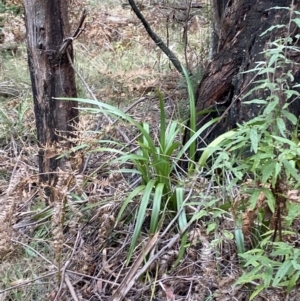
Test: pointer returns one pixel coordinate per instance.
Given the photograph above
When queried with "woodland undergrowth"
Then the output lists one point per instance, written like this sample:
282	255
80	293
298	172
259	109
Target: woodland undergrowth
125	219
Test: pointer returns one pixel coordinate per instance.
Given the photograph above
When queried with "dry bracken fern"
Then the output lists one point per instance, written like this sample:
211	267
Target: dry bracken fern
8	202
59	200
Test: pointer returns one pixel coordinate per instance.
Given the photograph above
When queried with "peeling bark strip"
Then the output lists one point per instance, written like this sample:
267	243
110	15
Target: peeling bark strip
240	47
51	76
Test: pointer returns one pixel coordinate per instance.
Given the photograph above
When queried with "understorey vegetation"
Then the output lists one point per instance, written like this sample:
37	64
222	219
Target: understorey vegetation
135	213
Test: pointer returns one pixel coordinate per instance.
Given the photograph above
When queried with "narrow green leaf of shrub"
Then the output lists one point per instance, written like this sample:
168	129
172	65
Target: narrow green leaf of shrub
277	170
156	207
73	149
270	107
140	216
296	264
251	275
211	227
268	275
281	126
146	142
256	101
200	214
273	59
284	140
264	260
268	70
252	258
292	78
291	117
259	66
293	212
239	146
171	143
267	170
290	93
253	198
228	235
291	169
297	21
183	243
44	214
254	138
274	26
107	149
293	281
270	199
29	252
282	272
208	151
218	212
258	289
282	249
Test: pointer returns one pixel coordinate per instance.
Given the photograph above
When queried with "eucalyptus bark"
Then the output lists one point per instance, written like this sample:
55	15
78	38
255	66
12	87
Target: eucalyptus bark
51	76
241	45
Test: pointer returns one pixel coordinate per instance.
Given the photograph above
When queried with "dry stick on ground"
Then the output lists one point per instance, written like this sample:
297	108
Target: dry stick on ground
124	286
63	270
122	293
71	288
158	41
92	277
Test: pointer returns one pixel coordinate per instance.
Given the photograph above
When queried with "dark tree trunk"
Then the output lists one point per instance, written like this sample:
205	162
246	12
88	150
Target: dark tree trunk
240	45
217	13
51	76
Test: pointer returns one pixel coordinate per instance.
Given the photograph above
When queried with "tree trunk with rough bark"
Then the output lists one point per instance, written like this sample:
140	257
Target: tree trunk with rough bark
51	76
240	46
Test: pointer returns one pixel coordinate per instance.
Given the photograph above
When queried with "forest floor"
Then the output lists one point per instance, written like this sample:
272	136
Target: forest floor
122	66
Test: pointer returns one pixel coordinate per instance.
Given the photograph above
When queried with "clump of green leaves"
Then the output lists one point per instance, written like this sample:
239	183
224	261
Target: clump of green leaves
267	149
278	264
155	163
